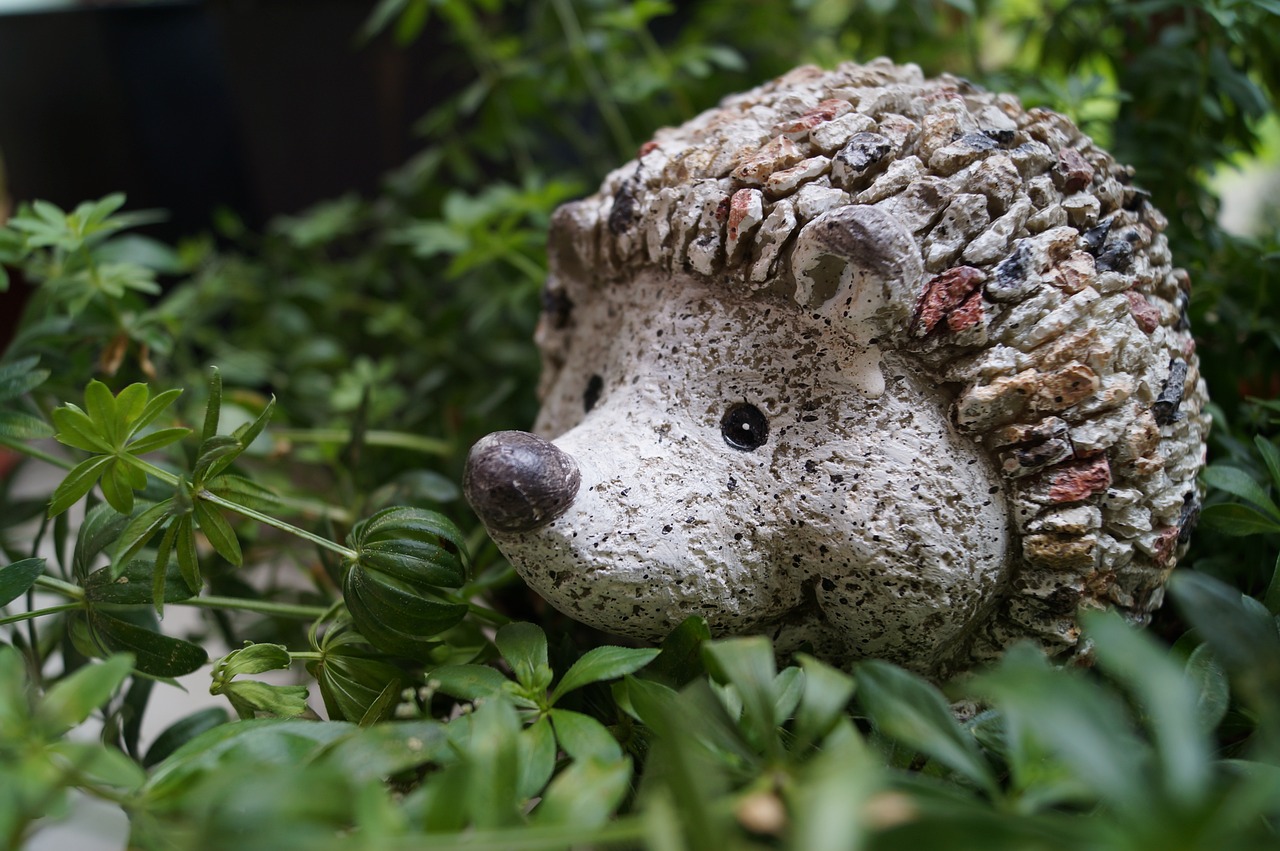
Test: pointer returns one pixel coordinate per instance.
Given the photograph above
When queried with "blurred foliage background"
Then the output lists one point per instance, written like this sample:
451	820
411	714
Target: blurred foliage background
392	330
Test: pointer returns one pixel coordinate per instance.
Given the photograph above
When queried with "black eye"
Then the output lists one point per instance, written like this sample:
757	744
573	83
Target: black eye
595	386
744	427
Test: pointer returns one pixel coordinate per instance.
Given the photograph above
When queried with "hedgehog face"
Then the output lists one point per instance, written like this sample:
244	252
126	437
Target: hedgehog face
750	466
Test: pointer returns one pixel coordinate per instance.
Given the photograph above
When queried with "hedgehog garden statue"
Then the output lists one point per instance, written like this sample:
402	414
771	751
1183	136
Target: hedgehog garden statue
875	364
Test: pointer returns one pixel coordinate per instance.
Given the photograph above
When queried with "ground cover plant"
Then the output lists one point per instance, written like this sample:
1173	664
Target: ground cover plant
230	439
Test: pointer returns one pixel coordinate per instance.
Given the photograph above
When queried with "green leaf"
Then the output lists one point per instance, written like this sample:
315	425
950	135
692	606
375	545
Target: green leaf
98	765
833	796
79	482
537	746
907	709
586	794
524	646
1235	481
219	532
78	430
1209	679
1166	696
681	657
22	426
117	486
140	530
17	578
1056	714
102	526
250	659
71	700
143	413
155	654
182	731
1237	519
134	585
602	663
826	696
244	437
468	682
100	406
583	737
374	754
185	545
249	697
1270	456
157	440
492	759
213	410
747	664
1244	637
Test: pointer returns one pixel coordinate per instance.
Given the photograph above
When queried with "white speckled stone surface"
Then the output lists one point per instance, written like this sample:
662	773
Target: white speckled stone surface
961	324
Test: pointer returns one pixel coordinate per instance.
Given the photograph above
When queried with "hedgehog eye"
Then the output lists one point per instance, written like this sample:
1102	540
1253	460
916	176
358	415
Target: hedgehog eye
590	396
744	427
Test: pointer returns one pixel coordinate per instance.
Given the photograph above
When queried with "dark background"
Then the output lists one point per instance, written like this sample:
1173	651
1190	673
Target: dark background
262	106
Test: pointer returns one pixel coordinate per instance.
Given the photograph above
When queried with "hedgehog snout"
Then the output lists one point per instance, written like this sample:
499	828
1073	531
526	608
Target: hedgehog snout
518	482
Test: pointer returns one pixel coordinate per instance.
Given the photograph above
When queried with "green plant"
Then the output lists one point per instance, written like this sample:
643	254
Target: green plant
301	495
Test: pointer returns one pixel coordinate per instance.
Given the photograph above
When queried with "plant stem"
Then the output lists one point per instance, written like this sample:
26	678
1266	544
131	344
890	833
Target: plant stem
245	511
488	615
51	583
394	439
264	607
32	452
242	510
38	613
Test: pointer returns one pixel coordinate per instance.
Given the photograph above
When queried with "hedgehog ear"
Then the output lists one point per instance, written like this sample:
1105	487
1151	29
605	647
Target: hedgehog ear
860	265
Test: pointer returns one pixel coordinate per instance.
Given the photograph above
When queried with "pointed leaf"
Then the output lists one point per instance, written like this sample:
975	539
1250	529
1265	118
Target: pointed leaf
17	578
78	482
524	646
134	585
22	426
20	376
117	488
1239	483
213	410
219	532
1213	694
827	692
1166	696
1237	519
1271	457
149	412
182	731
141	528
537	747
157	440
130	403
71	700
585	795
185	544
100	405
102	526
602	663
468	682
76	429
583	737
907	709
747	664
155	654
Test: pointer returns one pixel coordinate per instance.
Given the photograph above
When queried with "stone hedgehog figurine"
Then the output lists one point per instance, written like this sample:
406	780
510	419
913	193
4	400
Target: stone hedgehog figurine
876	365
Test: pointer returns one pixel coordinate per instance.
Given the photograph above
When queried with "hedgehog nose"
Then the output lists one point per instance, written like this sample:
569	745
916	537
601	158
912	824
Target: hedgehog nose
517	481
